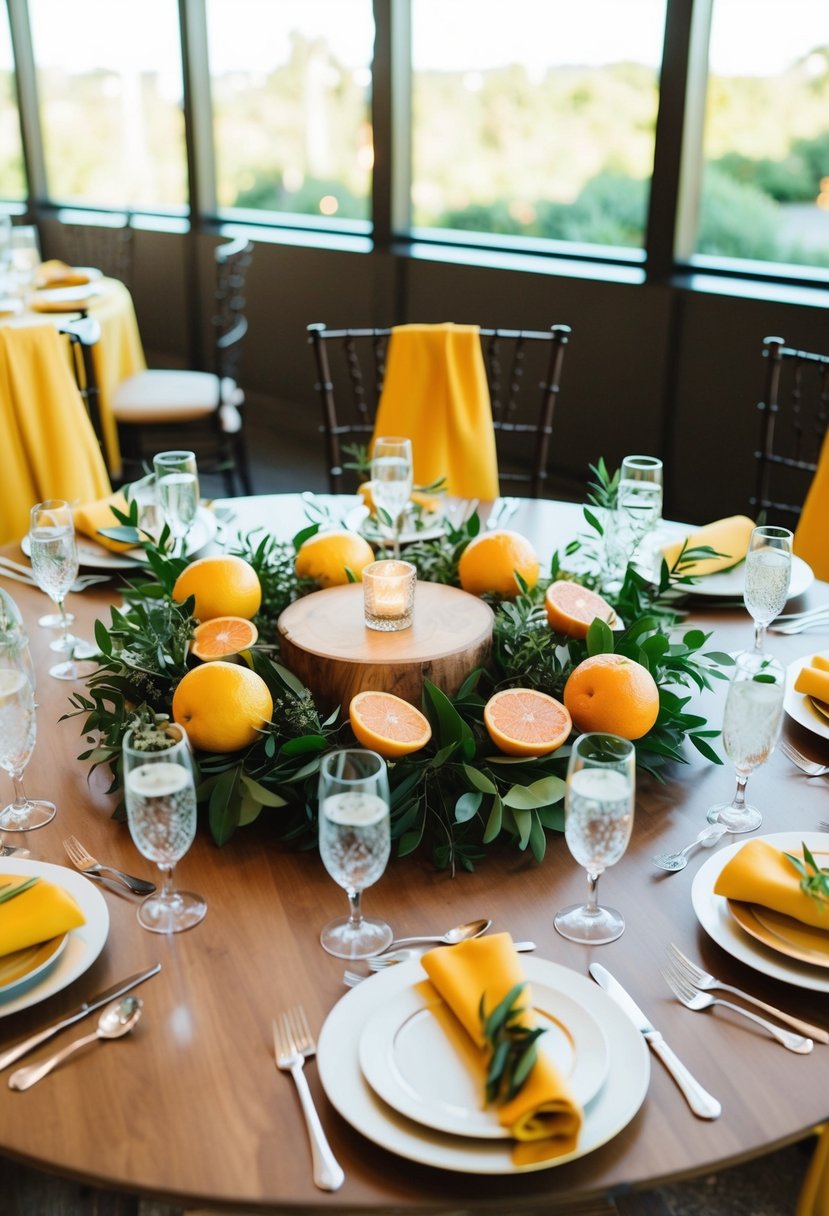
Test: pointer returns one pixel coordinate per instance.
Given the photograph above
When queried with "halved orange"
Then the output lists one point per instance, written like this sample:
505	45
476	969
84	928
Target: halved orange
526	722
222	637
572	609
388	724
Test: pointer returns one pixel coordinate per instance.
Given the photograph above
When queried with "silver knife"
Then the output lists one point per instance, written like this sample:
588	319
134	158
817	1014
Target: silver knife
95	1002
699	1100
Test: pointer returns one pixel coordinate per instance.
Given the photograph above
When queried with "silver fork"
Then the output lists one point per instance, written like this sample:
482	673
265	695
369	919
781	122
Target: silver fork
705	981
818	619
87	864
691	998
810	767
292	1043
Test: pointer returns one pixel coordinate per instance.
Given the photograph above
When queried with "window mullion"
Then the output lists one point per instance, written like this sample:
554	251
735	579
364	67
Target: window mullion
27	101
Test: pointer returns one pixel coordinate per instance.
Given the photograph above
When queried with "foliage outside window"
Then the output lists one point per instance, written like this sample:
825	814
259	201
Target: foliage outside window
12	179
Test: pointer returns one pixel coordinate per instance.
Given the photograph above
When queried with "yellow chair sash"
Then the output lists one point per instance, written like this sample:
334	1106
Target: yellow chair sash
810	538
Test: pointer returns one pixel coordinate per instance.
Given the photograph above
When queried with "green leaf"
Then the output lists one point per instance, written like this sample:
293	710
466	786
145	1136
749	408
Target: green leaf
479	779
264	796
225	807
599	638
540	793
466	807
494	823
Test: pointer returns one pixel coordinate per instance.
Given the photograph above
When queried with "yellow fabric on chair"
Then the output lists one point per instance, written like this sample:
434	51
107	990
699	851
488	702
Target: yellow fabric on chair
436	394
810	538
36	915
544	1116
92	516
48	448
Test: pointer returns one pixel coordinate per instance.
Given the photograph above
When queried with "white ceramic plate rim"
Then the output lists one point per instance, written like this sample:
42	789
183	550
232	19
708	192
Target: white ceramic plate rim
356	520
797	706
378	1048
35	971
712	913
93	556
351	1095
85	943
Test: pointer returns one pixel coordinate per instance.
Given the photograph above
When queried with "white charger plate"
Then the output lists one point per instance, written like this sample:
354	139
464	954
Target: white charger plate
798	706
83	946
361	520
93	556
408	1059
352	1096
713	914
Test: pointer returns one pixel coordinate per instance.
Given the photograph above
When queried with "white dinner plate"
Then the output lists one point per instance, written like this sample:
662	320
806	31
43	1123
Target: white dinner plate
361	520
352	1096
731	582
409	1059
800	707
93	556
84	943
713	914
65	295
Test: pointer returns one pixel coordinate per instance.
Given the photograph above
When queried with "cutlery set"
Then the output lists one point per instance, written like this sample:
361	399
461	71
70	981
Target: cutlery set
293	1044
800	622
87	864
19	573
810	767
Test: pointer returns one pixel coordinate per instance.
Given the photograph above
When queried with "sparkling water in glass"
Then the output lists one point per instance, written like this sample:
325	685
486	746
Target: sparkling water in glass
768	573
177	488
54	557
17	742
391	480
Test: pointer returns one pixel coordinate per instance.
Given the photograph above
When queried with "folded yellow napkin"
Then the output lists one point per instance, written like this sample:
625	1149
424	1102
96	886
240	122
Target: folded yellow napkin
75	304
729	537
37	914
98	514
810	534
436	394
760	874
54	273
426	502
813	680
544	1111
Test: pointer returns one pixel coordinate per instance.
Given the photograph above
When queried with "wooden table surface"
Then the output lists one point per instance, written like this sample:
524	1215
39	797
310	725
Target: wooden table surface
190	1108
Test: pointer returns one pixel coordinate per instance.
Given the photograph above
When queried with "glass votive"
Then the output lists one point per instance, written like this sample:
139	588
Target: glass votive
388	595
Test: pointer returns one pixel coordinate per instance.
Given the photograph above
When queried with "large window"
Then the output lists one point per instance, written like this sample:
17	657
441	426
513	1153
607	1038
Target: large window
535	118
290	84
765	182
110	89
12	179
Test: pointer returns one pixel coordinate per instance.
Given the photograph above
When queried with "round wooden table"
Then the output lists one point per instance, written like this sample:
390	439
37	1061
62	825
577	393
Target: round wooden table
190	1108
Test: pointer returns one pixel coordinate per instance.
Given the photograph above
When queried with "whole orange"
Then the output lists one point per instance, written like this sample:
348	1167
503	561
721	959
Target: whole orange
491	560
223	586
327	557
222	706
609	692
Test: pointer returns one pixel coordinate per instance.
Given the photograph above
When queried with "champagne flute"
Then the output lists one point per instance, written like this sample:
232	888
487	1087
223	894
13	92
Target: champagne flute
177	487
354	842
598	819
391	480
768	573
160	794
751	727
54	557
17	742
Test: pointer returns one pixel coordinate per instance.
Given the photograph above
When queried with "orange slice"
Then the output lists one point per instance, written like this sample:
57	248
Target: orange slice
222	637
388	724
526	722
572	609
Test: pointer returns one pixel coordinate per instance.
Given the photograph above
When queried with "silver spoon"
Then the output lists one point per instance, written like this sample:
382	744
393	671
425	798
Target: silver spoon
380	961
678	861
460	933
117	1019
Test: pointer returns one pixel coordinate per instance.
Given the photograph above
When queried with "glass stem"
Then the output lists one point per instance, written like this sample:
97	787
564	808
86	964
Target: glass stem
591	908
740	794
166	893
21	802
64	620
396	547
355	914
759	637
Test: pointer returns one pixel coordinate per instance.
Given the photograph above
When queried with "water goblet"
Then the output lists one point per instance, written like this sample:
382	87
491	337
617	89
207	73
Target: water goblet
391	480
54	557
354	842
17	742
177	487
751	727
768	573
598	819
160	794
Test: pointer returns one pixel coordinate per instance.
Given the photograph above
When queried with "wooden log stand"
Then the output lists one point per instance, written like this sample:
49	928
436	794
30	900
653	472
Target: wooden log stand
327	645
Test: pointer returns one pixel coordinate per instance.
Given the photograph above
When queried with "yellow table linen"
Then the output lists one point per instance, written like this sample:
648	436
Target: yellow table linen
760	874
48	448
94	515
810	538
435	393
729	537
544	1115
41	912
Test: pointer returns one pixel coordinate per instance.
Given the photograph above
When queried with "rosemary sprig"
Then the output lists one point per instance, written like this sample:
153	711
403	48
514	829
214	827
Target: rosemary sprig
813	880
7	894
513	1050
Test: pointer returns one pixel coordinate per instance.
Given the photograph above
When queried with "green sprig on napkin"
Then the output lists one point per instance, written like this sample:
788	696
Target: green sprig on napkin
9	891
512	1044
813	880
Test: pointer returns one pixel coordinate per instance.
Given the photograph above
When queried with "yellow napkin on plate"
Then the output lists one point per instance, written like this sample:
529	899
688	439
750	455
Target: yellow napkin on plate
813	680
760	874
98	514
544	1113
435	393
727	536
54	273
810	534
36	915
429	503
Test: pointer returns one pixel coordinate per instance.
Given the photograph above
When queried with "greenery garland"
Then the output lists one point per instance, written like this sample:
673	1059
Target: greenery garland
458	795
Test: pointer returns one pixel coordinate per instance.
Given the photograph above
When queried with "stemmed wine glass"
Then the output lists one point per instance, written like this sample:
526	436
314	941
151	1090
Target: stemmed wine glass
751	727
17	742
355	842
54	557
160	794
391	480
768	575
598	819
177	487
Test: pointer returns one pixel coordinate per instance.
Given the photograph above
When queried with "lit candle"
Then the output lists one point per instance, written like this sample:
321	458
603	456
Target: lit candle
388	595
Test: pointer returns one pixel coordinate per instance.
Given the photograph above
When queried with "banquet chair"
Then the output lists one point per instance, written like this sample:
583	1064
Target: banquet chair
105	245
196	410
83	333
523	371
